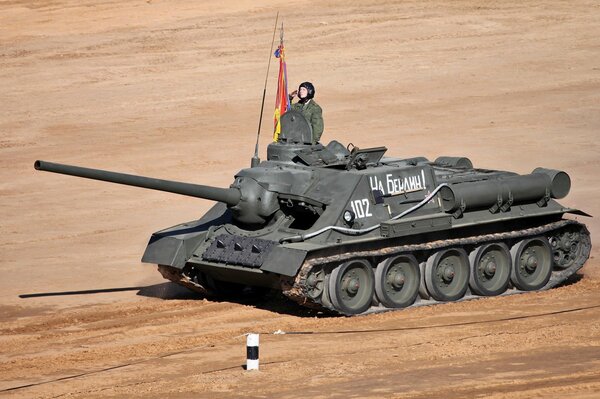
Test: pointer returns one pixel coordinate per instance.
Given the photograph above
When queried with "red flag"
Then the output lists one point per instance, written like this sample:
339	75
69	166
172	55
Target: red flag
282	102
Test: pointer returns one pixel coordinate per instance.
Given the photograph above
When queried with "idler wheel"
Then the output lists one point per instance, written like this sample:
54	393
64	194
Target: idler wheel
397	281
351	286
532	263
490	269
315	283
447	274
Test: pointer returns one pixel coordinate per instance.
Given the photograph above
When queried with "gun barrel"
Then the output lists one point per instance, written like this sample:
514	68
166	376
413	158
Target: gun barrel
230	196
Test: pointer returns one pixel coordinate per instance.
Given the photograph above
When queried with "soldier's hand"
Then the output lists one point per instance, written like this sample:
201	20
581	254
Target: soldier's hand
293	94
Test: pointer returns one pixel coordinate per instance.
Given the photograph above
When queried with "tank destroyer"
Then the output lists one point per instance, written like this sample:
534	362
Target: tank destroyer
353	231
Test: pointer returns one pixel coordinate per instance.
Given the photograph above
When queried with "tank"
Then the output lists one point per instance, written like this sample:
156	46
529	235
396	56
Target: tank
351	231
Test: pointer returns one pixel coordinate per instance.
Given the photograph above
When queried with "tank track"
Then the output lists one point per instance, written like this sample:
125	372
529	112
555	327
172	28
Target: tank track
179	277
297	289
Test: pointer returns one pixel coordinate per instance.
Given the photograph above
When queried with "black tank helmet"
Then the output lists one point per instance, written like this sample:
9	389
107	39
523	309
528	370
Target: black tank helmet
309	88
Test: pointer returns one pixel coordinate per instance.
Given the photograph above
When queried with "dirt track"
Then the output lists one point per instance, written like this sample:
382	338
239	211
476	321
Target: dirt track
173	89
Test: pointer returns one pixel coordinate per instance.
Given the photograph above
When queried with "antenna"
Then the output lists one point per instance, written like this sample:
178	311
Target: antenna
255	159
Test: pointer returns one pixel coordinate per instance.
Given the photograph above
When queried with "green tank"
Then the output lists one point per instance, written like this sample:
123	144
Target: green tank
353	231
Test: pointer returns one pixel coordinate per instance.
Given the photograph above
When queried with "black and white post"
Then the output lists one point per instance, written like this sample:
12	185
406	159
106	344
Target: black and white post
252	352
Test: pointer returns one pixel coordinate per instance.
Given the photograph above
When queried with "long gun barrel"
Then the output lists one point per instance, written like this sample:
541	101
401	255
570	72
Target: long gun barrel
230	196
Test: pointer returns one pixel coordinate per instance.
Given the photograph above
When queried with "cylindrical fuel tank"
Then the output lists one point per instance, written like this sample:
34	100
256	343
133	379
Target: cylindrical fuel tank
561	182
521	189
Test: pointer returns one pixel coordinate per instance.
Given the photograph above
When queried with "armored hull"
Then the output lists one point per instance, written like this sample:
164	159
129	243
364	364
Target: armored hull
353	231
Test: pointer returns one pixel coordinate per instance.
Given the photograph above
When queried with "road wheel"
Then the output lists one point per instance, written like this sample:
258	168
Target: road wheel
447	274
490	269
351	286
532	263
397	281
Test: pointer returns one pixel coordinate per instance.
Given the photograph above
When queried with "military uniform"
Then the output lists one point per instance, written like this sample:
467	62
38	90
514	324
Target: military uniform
314	115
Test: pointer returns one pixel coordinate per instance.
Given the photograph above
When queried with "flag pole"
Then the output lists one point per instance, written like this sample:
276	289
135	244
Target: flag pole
255	159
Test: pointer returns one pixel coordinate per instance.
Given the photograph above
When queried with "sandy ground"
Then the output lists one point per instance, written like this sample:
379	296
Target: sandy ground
173	89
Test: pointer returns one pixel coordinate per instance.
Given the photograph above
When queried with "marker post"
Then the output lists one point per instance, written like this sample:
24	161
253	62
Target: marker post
252	352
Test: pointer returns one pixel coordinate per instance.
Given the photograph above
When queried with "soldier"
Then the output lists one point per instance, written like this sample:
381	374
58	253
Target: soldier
309	108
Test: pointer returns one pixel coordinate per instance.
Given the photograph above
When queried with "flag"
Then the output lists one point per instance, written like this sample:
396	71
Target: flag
282	102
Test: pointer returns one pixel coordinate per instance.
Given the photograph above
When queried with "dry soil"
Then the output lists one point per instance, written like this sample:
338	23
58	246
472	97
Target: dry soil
173	90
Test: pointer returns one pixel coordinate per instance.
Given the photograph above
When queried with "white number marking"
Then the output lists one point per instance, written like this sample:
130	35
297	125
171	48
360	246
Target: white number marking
361	208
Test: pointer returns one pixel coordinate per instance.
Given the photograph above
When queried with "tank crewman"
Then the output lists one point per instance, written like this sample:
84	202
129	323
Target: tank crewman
309	108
